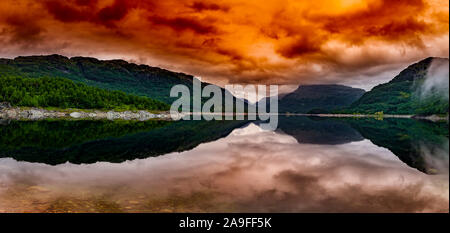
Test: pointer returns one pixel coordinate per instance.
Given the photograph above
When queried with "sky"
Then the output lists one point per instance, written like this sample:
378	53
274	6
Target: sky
288	42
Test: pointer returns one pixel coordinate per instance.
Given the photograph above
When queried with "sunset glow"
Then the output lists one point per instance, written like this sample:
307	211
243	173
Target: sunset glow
356	42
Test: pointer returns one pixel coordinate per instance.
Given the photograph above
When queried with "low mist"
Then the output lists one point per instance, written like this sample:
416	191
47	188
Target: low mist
436	80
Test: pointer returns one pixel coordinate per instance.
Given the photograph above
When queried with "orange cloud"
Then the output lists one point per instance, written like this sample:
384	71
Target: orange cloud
280	41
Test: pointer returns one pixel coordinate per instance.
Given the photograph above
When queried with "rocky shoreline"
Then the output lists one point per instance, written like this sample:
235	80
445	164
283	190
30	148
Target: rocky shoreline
22	113
15	113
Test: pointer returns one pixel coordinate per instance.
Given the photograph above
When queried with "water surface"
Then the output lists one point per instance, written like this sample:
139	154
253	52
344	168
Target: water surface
306	165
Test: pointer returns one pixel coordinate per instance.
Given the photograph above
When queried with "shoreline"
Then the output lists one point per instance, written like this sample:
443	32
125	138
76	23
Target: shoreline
32	113
430	118
28	113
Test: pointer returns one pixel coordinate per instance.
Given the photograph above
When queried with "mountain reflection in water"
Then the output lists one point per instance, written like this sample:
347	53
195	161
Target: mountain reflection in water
307	165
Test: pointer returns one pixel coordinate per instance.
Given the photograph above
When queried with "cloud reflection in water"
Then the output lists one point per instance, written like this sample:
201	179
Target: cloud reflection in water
251	170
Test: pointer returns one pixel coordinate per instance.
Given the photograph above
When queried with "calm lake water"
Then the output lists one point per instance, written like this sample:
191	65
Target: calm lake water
306	165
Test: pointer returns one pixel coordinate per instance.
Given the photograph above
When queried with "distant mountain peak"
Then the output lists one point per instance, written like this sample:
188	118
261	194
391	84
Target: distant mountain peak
323	97
326	87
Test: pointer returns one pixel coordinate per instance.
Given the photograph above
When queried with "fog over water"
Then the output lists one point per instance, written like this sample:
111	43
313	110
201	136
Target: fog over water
250	170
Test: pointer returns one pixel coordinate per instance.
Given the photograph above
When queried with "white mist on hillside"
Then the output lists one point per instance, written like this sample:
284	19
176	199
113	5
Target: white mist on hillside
436	80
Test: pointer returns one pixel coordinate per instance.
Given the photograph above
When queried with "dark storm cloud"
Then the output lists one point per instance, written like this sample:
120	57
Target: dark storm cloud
181	24
202	6
292	42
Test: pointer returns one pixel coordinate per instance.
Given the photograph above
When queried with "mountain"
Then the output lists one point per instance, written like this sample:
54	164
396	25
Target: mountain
322	98
119	75
113	74
420	89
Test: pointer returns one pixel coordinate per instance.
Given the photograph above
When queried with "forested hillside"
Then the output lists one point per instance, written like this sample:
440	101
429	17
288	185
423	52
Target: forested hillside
64	93
402	94
142	80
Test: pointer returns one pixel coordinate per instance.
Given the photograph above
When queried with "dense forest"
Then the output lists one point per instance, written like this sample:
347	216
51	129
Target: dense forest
64	93
115	75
